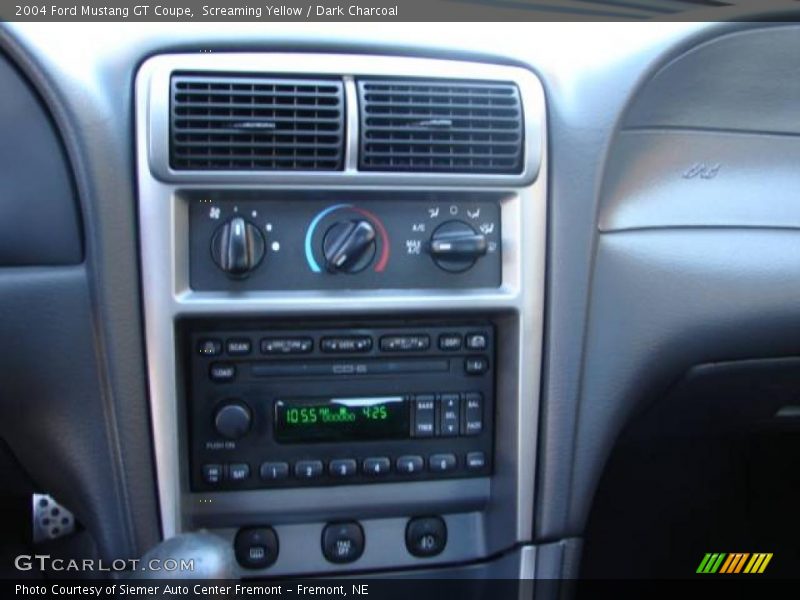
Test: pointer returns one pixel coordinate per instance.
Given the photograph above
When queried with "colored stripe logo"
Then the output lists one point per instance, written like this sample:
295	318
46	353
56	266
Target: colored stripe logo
734	563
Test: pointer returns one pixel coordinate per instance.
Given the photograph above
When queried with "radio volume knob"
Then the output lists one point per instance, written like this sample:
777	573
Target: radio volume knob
237	247
349	246
232	420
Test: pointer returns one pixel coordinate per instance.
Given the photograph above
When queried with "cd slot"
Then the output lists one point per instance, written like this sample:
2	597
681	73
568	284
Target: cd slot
323	368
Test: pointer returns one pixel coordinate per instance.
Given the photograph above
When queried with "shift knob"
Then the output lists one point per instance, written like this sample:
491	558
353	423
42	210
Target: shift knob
210	557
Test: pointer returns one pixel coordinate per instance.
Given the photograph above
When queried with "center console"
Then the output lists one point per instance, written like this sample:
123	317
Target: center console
343	275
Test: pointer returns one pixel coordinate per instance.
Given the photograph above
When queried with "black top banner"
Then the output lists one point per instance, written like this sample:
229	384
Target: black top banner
395	10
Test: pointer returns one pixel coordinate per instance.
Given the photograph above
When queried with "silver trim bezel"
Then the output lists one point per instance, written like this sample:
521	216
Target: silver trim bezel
503	505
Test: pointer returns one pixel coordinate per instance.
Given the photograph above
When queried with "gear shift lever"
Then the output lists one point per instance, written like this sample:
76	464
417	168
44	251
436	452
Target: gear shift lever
211	557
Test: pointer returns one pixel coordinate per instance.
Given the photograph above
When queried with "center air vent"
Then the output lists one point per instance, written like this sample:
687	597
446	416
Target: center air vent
256	123
440	126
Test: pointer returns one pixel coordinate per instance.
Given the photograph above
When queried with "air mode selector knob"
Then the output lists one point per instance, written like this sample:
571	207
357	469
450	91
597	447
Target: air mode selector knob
232	420
237	247
455	246
349	246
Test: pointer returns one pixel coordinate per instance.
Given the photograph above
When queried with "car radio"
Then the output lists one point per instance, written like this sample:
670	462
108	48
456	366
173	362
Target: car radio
274	407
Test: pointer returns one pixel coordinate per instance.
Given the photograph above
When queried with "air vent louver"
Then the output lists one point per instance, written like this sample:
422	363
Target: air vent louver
256	123
440	126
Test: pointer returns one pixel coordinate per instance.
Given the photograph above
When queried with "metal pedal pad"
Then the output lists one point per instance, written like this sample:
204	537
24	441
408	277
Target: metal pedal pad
50	519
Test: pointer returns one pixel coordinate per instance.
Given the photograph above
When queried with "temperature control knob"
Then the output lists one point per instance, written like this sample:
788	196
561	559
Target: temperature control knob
232	420
455	246
237	247
349	246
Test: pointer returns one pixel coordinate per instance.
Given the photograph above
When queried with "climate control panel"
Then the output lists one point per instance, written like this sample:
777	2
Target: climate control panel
358	241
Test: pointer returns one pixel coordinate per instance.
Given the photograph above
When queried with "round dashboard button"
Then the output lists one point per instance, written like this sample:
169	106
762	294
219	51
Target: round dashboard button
256	547
342	542
232	420
426	536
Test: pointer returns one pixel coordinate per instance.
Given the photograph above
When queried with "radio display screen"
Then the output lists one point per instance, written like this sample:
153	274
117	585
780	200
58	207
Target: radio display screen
341	419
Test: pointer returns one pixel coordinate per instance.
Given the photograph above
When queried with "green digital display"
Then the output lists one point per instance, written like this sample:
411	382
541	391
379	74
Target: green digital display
341	419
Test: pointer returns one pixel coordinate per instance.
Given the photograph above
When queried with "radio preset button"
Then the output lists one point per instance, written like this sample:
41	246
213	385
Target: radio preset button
274	471
442	463
473	414
475	461
450	342
308	469
342	467
343	345
449	414
294	345
212	474
238	347
410	464
222	372
405	343
238	472
209	347
376	466
477	341
476	365
424	415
